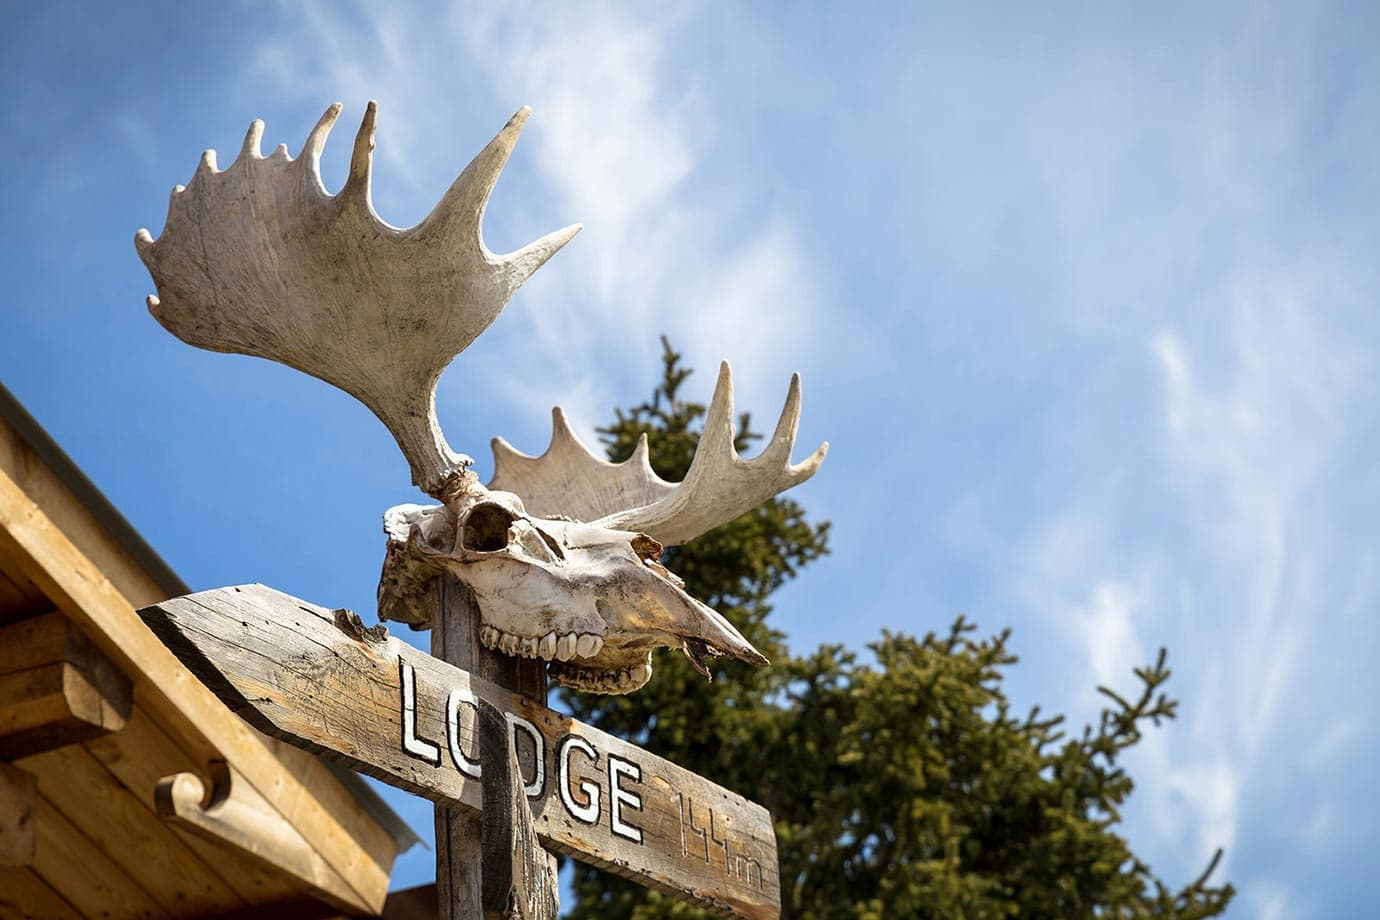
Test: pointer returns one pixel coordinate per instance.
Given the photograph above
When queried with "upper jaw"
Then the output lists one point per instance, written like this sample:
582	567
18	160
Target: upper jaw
618	604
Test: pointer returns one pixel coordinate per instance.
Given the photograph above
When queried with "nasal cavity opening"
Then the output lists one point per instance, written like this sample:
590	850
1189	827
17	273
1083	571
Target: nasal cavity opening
486	528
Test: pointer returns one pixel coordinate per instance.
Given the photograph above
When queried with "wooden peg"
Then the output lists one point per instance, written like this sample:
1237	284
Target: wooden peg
519	881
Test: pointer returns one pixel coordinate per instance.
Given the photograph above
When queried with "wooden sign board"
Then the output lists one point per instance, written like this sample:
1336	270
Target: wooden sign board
320	680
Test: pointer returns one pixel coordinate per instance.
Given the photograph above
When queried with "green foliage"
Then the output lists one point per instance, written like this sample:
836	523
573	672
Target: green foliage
900	787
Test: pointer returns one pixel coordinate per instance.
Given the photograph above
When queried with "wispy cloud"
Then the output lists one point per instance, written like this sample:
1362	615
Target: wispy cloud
616	144
1259	331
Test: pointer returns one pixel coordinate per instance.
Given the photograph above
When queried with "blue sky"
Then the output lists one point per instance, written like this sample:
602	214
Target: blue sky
1084	296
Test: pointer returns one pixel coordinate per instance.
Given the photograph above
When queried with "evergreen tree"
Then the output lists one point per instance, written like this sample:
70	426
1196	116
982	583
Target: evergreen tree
903	787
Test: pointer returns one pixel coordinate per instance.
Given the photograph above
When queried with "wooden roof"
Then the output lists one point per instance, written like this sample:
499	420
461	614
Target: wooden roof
158	802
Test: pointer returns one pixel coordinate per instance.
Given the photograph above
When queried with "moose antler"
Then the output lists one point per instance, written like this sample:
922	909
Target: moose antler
260	259
570	481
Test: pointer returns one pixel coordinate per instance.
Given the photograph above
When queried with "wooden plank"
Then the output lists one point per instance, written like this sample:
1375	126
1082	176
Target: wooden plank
25	896
31	543
139	756
519	877
377	842
125	561
312	676
144	848
76	868
18	808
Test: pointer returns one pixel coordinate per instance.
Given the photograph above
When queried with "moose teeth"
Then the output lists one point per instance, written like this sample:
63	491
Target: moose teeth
632	678
624	680
550	647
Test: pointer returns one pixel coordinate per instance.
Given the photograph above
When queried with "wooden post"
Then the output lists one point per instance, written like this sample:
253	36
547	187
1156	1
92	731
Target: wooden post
455	639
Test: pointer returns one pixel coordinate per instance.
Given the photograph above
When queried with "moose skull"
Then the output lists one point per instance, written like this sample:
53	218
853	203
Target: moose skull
560	551
591	601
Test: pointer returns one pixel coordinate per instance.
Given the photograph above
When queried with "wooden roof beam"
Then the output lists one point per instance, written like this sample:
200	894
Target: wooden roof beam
56	688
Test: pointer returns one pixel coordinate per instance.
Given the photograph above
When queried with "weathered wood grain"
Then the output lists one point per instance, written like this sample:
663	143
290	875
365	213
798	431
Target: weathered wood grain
18	808
519	877
314	677
56	688
70	863
25	896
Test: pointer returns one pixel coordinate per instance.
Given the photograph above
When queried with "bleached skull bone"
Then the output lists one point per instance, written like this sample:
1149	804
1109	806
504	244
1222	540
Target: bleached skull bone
260	259
591	601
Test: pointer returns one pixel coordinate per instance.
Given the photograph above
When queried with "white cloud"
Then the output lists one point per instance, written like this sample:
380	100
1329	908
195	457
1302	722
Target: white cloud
616	141
1109	633
1249	440
1232	523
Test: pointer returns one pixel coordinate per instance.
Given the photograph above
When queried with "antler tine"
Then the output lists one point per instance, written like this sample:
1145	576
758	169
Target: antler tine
520	265
357	185
783	440
252	138
459	215
716	439
316	140
458	218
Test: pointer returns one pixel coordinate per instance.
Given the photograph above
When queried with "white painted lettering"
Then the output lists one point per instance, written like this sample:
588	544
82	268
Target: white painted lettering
413	745
538	784
618	797
589	811
457	696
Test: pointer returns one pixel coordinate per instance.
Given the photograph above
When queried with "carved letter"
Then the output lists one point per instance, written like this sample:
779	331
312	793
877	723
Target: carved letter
588	812
618	768
417	747
457	696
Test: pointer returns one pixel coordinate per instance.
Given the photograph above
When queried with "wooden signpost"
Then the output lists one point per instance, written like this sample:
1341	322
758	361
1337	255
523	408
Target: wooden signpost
321	680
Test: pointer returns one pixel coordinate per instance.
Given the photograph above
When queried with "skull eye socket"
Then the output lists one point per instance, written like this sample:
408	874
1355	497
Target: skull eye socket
486	528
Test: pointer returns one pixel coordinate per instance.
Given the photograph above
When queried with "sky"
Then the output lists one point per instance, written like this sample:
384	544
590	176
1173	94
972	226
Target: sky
1084	297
